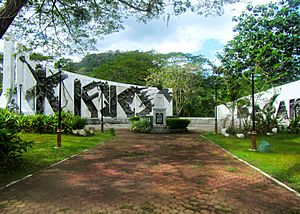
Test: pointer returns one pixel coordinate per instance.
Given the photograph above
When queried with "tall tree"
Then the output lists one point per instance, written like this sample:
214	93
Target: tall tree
77	24
267	43
186	83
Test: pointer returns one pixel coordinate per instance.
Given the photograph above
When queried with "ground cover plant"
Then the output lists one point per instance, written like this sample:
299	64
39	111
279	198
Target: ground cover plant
43	153
282	162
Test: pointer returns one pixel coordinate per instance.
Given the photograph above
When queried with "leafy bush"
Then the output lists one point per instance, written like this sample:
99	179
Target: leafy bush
8	119
141	126
70	122
11	146
177	123
79	123
265	122
265	118
40	123
294	126
231	130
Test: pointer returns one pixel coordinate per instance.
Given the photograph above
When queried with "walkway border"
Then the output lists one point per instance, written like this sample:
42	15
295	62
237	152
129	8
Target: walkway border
257	169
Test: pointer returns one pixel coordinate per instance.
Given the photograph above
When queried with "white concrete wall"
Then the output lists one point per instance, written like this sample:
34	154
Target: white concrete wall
289	94
16	72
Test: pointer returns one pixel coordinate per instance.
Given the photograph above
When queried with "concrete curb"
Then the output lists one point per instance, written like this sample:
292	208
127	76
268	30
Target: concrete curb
48	167
255	168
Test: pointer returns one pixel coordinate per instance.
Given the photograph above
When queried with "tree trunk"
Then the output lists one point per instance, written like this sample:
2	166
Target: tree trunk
8	14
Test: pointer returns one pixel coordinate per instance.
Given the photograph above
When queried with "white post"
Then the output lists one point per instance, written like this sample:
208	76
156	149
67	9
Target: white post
19	80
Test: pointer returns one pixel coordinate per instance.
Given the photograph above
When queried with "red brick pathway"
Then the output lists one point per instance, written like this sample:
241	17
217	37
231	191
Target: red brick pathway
139	173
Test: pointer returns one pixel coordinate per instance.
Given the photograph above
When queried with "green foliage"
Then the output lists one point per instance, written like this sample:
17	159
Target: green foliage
40	123
127	67
267	43
231	130
67	64
177	123
70	122
185	82
92	61
134	118
141	126
8	119
265	118
11	146
39	57
294	126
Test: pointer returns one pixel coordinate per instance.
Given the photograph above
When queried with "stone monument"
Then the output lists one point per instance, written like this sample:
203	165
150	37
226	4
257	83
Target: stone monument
159	114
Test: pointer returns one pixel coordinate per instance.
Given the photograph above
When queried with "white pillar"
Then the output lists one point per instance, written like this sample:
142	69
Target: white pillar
8	71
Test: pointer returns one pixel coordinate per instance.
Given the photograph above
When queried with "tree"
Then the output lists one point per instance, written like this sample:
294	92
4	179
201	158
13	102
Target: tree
127	67
267	43
185	81
76	25
39	57
67	64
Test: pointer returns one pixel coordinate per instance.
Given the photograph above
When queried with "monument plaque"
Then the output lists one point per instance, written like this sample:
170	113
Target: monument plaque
159	115
159	118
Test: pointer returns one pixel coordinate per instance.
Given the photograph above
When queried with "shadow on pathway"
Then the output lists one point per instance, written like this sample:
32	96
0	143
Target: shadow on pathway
144	173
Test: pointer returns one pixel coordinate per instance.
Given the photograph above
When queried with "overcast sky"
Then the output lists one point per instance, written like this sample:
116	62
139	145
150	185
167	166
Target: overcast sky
188	33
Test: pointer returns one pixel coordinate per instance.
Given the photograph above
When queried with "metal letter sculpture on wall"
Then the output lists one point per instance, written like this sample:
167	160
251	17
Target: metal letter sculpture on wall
44	87
119	100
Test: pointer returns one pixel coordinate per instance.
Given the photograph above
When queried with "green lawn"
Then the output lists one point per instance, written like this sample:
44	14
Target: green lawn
43	153
282	163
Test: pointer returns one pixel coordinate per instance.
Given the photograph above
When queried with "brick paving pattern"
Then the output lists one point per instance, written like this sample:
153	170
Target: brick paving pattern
141	173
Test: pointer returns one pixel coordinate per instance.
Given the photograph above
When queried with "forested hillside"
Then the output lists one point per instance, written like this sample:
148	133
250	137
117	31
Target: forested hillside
128	67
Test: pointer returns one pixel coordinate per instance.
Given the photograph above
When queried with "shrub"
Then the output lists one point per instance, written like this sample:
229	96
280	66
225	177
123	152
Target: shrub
40	123
79	123
50	124
11	146
231	130
37	123
265	118
8	119
141	126
134	118
70	122
177	123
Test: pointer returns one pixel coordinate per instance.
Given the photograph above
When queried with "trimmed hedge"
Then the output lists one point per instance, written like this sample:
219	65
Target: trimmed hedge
177	123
